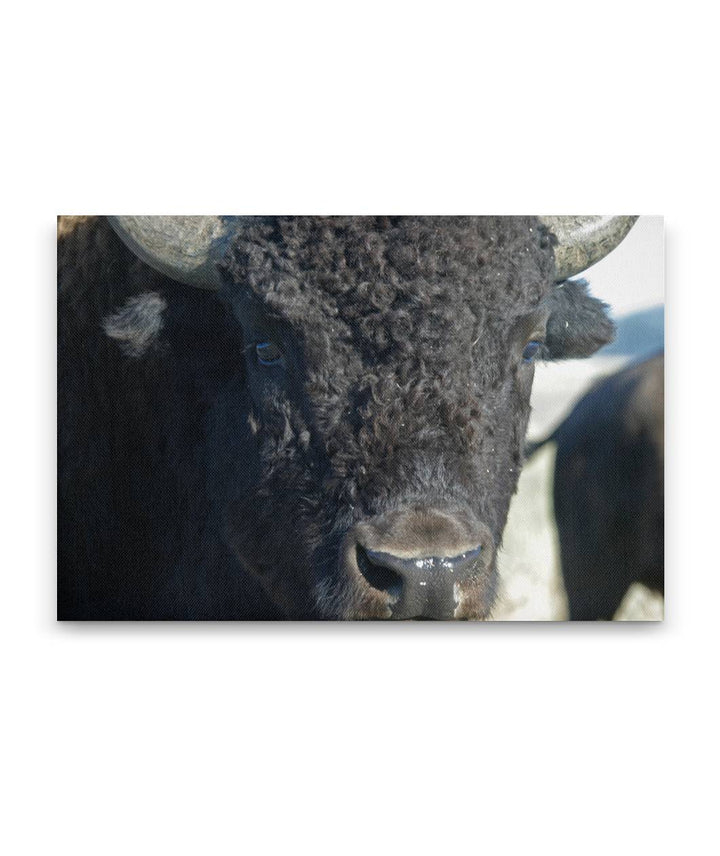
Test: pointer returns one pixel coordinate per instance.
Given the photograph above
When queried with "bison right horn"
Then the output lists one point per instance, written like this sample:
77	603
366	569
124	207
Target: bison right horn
584	240
186	249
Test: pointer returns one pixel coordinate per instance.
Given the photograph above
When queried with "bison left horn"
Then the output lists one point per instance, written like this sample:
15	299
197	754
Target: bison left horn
186	249
584	240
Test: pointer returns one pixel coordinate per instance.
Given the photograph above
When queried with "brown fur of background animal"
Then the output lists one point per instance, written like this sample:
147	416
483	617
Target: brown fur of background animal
609	491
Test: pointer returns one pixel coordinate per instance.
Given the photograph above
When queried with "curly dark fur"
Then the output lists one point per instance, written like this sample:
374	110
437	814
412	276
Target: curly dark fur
195	482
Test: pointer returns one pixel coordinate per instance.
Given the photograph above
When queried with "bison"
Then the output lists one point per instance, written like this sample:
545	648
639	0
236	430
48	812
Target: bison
303	417
609	490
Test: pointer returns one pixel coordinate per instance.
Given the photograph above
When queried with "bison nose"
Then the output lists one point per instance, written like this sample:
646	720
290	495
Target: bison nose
421	559
424	587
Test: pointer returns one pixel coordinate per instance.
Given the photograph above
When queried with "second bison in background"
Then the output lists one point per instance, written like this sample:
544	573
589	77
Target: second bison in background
609	491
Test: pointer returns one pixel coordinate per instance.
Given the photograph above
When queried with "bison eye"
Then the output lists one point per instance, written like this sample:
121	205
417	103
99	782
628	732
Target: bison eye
268	353
530	351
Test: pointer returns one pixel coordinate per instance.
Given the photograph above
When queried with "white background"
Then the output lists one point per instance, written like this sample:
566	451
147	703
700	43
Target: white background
358	738
632	277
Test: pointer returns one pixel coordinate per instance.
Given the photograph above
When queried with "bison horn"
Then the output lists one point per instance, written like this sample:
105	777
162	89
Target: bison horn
186	249
582	241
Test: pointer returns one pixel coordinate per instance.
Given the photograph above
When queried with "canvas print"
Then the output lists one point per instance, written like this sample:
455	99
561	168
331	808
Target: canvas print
360	418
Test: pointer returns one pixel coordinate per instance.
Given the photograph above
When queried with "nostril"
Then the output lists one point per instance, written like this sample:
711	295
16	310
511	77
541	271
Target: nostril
378	575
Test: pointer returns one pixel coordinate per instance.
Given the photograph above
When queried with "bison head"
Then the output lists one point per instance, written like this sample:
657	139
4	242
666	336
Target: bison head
364	459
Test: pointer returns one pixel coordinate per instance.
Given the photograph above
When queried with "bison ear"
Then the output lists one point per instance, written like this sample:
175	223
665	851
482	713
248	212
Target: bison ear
136	326
578	323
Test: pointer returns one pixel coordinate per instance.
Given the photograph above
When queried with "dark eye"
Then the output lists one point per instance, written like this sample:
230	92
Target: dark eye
530	351
268	353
